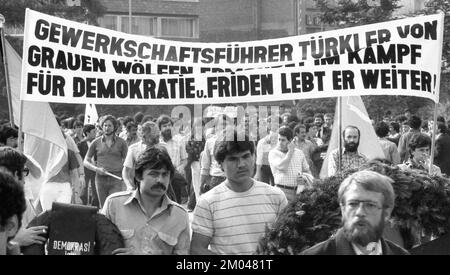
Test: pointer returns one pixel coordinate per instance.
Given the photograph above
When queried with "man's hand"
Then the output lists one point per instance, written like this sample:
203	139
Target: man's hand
101	171
32	235
292	145
124	251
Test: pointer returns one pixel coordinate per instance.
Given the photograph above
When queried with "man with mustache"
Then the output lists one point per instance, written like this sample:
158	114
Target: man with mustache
366	199
149	221
351	158
231	217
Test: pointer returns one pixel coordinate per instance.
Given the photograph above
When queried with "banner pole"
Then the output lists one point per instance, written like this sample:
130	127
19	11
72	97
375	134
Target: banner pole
5	64
433	136
437	88
339	133
20	138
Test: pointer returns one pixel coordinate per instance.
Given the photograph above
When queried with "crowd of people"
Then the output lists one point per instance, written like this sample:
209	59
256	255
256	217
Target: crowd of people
202	189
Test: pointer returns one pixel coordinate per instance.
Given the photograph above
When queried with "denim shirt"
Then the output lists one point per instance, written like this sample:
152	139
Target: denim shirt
166	232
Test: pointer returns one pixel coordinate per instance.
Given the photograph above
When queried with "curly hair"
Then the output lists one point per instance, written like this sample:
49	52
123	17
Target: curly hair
12	199
12	160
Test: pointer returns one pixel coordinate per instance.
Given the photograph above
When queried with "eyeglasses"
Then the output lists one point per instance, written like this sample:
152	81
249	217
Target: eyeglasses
368	206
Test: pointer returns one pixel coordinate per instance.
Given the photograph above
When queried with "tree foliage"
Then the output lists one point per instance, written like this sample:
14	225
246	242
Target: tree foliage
348	13
88	11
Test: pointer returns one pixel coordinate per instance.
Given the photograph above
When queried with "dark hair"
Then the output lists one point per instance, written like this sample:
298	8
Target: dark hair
87	128
77	123
401	118
292	124
286	132
309	125
155	157
328	115
130	125
442	127
352	127
395	125
163	119
224	146
12	160
415	122
138	117
441	119
127	119
382	129
68	122
80	117
298	127
318	115
146	118
419	140
112	119
6	133
12	200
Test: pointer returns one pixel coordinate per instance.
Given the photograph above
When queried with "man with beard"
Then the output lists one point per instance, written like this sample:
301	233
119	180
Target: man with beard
231	217
176	148
351	158
149	221
110	152
366	199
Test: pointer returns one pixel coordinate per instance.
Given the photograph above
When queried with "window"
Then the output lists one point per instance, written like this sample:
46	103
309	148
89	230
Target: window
309	20
139	25
152	26
317	20
108	21
178	27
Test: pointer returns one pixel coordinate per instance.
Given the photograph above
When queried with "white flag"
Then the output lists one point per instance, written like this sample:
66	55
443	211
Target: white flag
91	115
354	113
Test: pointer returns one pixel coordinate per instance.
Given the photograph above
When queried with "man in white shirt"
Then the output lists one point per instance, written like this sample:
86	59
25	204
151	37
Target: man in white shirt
176	148
289	166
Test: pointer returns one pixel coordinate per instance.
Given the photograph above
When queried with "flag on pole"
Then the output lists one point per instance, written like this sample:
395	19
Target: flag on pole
44	143
91	115
354	113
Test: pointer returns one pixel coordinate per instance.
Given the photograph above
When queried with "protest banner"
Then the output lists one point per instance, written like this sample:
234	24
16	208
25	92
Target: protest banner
70	62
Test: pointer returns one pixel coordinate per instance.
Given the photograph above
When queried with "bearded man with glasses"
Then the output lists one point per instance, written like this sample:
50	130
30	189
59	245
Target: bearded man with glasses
366	199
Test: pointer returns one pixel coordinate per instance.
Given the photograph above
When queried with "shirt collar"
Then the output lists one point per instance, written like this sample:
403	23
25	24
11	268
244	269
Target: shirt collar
375	248
166	203
349	153
104	138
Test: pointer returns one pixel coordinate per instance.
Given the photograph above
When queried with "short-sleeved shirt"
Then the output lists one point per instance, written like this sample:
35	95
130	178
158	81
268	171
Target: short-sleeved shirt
209	165
263	148
236	220
288	177
176	149
390	150
166	232
110	158
133	153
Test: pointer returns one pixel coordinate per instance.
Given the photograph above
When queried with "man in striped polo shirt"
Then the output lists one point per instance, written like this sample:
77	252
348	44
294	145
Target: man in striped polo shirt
230	218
